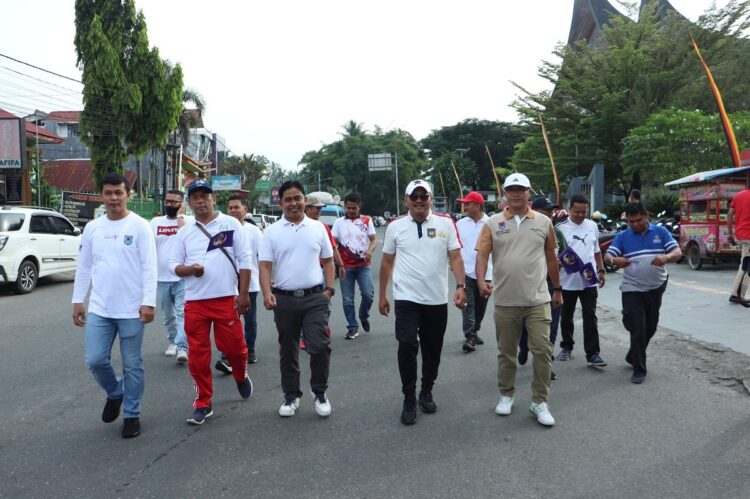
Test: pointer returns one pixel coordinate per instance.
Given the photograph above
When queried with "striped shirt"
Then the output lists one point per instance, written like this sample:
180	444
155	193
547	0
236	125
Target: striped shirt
641	249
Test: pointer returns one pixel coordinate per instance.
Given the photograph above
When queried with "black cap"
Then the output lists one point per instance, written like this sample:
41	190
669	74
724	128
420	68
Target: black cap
543	204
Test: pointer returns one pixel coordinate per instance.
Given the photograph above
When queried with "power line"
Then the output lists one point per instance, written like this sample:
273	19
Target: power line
40	69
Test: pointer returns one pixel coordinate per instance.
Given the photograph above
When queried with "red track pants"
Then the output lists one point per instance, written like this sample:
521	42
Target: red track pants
229	338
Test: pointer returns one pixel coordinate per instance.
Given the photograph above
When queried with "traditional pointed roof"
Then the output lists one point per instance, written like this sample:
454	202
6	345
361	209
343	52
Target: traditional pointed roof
589	18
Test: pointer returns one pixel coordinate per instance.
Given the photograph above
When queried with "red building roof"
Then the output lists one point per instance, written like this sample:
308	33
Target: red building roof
65	116
75	175
45	137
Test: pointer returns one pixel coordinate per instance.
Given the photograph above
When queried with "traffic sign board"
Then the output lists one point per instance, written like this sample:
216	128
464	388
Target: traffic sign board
263	185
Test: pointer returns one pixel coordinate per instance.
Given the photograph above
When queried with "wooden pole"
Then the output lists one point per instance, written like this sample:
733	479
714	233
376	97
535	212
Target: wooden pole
494	174
551	159
442	185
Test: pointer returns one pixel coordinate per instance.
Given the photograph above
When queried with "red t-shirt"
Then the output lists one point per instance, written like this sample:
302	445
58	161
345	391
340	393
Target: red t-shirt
741	206
330	236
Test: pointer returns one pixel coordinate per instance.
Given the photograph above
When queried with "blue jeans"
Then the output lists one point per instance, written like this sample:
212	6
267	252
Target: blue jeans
100	336
251	323
172	303
363	277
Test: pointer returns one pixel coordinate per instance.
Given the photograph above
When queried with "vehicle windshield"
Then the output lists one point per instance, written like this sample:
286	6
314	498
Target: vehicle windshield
10	222
328	217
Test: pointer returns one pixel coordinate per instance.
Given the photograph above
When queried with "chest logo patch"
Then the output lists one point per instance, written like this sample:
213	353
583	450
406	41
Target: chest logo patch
128	240
431	233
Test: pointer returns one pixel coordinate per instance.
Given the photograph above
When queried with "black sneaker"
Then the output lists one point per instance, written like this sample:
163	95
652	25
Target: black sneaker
553	376
366	326
478	340
470	344
131	427
426	403
251	358
596	361
523	357
223	366
409	413
200	415
351	334
111	409
245	387
638	377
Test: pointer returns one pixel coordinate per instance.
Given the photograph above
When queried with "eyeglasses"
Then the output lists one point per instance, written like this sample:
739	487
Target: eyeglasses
419	197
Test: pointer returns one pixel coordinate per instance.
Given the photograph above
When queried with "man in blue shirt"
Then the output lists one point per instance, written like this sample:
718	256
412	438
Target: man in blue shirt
642	250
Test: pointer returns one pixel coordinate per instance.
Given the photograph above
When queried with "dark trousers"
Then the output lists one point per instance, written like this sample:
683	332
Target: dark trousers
640	316
476	305
523	345
419	325
588	310
251	323
311	314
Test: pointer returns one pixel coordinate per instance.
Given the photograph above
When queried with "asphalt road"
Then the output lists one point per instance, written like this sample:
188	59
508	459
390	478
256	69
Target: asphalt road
683	433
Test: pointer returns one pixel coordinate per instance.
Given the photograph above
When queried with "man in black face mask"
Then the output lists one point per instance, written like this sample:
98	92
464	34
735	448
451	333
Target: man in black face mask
170	288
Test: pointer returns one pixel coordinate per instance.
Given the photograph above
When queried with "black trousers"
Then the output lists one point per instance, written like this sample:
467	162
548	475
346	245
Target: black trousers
419	325
588	298
640	316
476	306
308	313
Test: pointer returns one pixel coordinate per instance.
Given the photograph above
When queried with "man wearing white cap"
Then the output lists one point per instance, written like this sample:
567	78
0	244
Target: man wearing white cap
522	245
424	243
476	304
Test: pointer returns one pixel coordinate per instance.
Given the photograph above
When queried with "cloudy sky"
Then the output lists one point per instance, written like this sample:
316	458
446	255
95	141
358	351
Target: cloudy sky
281	78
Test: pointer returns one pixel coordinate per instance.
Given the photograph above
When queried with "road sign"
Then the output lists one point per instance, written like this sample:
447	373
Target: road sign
382	162
263	185
226	183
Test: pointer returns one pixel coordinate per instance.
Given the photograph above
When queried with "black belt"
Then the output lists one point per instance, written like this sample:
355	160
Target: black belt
299	293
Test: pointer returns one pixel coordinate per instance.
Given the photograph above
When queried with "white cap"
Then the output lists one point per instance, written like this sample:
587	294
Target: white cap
418	183
517	179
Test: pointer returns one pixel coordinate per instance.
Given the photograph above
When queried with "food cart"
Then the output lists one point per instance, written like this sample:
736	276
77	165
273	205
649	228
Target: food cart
704	202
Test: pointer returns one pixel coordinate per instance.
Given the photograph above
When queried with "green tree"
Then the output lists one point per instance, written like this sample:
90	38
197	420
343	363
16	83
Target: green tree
191	116
131	96
603	91
250	169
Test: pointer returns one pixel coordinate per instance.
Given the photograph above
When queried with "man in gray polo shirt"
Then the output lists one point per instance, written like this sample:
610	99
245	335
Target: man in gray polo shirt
522	244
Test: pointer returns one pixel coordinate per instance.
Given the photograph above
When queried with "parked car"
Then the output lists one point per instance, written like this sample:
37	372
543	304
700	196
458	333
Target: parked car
35	242
262	220
329	213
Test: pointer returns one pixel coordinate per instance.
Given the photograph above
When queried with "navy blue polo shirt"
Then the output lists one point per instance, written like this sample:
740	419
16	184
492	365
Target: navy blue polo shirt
641	249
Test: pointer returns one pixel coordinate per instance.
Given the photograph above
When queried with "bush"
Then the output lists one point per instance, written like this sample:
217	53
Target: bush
658	200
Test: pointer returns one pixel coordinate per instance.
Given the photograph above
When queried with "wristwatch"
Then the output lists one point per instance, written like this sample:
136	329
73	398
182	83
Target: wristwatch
601	271
557	289
330	290
461	286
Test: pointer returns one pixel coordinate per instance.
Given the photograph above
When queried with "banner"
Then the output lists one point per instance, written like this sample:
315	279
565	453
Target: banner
81	208
12	147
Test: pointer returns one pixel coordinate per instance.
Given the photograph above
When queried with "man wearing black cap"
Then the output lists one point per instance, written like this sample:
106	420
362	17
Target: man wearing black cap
212	253
469	228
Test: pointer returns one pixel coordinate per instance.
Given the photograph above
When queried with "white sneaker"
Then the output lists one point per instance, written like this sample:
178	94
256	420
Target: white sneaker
322	405
182	356
289	407
504	406
541	411
171	350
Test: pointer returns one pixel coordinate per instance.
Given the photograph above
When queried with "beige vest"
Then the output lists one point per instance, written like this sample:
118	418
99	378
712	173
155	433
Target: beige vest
519	276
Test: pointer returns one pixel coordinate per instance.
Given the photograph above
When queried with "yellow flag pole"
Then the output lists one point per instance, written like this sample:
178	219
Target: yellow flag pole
551	158
442	185
494	173
458	181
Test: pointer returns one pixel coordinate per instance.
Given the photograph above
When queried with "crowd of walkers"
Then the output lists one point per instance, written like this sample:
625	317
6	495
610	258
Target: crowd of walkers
206	271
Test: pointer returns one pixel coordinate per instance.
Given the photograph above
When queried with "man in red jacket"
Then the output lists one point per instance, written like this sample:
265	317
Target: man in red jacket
738	226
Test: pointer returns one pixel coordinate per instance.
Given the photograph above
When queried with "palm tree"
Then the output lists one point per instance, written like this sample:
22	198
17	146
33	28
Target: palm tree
352	129
190	117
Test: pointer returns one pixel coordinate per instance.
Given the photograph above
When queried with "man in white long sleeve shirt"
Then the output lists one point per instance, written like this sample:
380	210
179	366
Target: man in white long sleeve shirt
117	259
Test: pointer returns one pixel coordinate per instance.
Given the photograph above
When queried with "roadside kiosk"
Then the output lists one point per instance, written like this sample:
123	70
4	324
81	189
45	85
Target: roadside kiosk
704	199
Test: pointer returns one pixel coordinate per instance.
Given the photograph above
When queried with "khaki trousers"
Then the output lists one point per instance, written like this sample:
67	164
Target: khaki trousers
508	324
742	279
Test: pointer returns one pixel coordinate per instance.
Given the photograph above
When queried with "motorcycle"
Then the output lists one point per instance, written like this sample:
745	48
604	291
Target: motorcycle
605	240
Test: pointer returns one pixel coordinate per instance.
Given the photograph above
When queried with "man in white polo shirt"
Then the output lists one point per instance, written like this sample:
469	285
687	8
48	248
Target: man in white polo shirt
118	260
416	251
237	207
170	288
476	304
298	291
212	254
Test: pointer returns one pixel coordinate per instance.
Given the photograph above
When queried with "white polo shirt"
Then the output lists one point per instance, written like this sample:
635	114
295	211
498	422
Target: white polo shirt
164	231
191	246
468	231
420	274
119	258
584	240
254	236
295	251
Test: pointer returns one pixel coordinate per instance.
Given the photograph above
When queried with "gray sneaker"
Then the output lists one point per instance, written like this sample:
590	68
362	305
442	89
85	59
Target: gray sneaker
564	355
